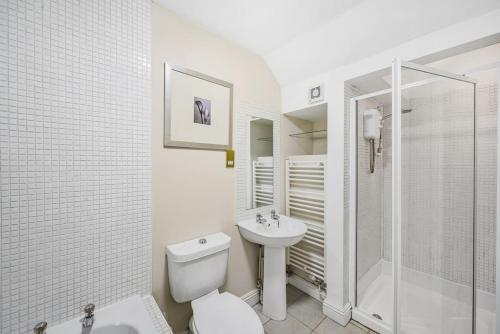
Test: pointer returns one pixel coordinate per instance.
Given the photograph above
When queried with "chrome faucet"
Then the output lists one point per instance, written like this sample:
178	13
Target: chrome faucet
88	319
40	328
260	219
275	217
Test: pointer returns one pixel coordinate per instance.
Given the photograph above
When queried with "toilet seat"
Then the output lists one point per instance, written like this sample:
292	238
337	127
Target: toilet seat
224	314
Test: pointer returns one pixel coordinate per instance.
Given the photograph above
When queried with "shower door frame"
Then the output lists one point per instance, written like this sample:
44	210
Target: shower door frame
396	91
357	314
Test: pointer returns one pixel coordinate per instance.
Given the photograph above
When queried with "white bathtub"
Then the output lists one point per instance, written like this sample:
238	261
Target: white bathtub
129	316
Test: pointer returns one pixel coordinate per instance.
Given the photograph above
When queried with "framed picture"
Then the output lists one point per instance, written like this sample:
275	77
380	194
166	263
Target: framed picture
198	110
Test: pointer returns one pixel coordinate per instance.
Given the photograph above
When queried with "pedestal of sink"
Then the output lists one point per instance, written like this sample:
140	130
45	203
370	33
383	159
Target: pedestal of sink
275	237
274	295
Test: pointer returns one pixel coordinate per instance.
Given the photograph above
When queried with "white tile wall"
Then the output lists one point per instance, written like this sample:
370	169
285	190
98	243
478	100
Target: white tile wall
387	214
449	229
370	200
486	186
74	157
154	311
369	229
437	163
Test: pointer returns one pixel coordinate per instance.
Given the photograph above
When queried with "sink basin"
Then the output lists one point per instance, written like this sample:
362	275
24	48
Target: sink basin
115	329
290	231
275	240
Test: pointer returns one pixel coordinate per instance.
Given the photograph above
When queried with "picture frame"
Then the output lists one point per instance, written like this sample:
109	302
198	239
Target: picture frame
198	110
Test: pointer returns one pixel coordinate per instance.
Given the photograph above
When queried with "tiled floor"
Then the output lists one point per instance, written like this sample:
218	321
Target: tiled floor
305	317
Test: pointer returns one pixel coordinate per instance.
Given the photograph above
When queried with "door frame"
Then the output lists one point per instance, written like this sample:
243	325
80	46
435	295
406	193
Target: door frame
498	206
397	66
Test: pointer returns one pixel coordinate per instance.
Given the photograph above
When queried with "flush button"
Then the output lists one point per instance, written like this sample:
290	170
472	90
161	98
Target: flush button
202	241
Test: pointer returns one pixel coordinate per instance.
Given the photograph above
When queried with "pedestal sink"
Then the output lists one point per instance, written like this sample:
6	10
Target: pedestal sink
275	239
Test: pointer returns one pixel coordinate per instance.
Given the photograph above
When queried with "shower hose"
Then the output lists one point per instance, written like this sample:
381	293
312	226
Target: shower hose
372	155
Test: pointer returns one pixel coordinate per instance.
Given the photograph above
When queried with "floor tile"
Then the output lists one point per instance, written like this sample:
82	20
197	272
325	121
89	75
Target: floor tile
258	310
288	326
292	293
357	324
307	310
329	326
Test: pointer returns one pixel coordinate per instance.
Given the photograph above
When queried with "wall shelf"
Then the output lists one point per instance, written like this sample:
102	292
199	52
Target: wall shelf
315	134
266	139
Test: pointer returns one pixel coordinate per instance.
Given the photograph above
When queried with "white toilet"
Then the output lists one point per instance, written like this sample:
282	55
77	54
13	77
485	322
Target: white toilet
196	269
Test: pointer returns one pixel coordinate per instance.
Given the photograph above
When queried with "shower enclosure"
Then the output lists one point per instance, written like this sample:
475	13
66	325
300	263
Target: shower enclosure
412	228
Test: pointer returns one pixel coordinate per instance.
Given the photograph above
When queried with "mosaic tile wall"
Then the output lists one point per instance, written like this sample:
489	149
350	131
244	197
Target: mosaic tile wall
75	161
438	235
423	229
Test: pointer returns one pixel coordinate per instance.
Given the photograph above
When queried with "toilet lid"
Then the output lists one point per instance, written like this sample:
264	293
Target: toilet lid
225	314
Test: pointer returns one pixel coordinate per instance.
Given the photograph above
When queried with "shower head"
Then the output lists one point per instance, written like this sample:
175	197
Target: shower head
380	145
403	111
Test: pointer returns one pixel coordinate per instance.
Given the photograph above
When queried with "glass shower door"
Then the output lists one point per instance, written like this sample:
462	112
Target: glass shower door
433	200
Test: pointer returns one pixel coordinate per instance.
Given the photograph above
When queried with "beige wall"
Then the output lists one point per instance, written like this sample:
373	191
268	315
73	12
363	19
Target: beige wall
193	193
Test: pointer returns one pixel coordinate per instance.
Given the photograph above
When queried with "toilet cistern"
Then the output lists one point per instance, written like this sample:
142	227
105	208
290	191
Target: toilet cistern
196	270
275	241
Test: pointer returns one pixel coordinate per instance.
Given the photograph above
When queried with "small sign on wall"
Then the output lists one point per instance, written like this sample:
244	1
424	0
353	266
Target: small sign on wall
316	94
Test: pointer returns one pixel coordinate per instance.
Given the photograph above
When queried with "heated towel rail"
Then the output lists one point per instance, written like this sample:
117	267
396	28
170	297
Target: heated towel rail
262	170
305	200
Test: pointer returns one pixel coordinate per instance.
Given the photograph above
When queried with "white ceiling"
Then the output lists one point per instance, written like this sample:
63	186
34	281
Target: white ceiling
259	25
480	64
366	30
302	38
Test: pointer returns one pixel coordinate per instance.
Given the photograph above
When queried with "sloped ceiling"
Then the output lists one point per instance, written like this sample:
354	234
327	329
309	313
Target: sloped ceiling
299	39
259	25
367	29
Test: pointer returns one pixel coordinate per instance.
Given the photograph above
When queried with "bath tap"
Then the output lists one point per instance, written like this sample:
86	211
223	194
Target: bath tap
40	328
260	219
88	319
275	217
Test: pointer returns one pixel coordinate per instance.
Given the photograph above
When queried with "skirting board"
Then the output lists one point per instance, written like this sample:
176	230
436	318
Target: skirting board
341	316
251	297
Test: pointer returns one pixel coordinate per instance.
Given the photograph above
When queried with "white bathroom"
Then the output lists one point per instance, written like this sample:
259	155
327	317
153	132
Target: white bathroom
263	167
